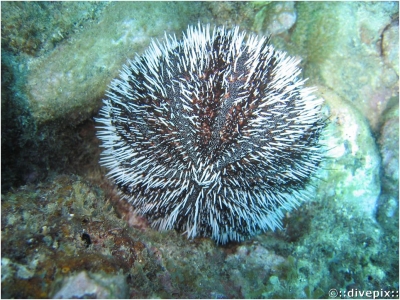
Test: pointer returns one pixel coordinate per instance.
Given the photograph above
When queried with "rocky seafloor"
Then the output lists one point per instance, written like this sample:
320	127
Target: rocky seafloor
66	234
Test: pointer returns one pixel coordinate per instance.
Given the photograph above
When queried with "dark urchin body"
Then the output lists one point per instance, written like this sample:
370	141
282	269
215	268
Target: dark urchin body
213	135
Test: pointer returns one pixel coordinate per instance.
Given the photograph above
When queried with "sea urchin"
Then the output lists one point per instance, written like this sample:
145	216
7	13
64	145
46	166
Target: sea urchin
213	135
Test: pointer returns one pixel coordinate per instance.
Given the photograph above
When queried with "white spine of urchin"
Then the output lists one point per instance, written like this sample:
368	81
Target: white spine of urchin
214	135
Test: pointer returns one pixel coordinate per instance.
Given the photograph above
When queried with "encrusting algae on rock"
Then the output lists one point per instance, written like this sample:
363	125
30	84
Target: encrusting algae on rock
58	228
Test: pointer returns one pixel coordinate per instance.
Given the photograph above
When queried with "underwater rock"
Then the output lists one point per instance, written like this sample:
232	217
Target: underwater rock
33	28
251	266
340	43
275	18
93	286
341	246
390	45
389	148
351	175
42	230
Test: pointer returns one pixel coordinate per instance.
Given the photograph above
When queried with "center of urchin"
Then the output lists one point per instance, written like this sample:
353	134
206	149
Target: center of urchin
212	135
